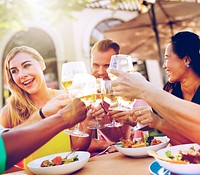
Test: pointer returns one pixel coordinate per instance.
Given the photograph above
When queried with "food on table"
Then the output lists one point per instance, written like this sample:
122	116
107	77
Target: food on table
189	156
143	142
58	160
46	163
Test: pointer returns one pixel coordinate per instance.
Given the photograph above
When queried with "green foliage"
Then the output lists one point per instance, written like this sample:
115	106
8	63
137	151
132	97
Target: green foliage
13	13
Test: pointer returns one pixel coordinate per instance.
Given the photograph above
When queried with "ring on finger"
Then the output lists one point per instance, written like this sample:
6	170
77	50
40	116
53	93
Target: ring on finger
140	113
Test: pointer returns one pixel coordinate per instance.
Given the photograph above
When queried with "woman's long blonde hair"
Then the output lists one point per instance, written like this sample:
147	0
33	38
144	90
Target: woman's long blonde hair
20	106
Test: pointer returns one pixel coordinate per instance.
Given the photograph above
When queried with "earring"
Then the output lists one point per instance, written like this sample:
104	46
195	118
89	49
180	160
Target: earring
188	65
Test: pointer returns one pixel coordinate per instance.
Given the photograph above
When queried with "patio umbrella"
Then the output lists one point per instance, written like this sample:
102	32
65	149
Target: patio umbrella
146	36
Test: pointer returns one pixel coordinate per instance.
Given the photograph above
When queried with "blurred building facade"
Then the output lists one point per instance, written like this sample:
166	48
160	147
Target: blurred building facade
67	40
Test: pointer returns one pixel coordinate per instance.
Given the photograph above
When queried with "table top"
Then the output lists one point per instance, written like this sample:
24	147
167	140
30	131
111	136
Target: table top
109	164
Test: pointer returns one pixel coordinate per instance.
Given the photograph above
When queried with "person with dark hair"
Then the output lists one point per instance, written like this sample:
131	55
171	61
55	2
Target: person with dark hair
180	117
182	62
186	46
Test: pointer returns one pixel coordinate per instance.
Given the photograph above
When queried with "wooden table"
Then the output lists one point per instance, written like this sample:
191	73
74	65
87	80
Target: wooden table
111	164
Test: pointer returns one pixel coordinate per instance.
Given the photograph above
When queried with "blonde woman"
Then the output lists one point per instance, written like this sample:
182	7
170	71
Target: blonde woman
24	71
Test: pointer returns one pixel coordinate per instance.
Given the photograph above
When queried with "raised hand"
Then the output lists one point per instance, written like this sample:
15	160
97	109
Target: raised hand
55	104
147	117
75	112
124	117
128	85
94	114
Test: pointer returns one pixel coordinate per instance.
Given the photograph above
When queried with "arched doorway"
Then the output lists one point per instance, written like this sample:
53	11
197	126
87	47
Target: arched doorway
42	42
97	33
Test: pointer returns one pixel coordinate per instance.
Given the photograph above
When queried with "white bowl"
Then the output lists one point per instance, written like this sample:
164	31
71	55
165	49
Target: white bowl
35	165
142	151
179	168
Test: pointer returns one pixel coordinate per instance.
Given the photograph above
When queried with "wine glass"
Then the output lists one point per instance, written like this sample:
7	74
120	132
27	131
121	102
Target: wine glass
69	70
99	96
94	98
83	87
106	90
98	99
124	63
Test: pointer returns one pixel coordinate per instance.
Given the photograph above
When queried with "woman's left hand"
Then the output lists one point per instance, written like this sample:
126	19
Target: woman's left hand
123	117
55	104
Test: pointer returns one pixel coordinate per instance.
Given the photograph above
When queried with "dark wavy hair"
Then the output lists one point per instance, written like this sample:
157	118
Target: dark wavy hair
187	44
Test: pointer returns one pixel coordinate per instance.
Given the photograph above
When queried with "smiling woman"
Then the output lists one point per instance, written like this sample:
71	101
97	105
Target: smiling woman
29	92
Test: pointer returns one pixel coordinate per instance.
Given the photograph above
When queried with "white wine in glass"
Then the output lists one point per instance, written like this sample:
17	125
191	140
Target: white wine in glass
85	87
106	89
69	70
123	63
94	100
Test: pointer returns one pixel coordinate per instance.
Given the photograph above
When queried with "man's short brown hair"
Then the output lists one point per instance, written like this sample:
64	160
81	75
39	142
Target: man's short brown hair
105	45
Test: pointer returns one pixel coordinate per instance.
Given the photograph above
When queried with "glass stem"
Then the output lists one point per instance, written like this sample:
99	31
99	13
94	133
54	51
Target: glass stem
76	128
119	102
114	122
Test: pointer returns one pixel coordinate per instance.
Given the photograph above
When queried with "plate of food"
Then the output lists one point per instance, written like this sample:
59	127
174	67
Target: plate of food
57	164
139	147
180	159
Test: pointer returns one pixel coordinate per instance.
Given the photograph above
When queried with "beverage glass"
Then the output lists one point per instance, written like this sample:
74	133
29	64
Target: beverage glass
124	63
84	87
69	70
106	90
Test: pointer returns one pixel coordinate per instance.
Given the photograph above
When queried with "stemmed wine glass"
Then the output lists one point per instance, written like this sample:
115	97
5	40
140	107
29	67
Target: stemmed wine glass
69	71
106	90
124	63
98	99
83	87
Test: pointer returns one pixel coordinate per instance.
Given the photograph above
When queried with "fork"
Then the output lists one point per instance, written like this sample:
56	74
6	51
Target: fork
71	153
102	152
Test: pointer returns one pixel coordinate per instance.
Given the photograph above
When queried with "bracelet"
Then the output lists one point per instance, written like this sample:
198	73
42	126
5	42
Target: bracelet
41	114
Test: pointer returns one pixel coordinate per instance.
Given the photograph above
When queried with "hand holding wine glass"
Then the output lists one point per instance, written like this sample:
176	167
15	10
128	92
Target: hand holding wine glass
143	113
84	87
124	63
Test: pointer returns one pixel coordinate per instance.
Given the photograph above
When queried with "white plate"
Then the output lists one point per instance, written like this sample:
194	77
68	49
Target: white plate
188	169
35	165
142	151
